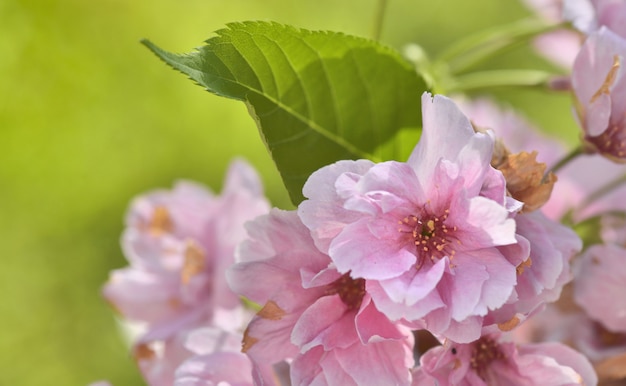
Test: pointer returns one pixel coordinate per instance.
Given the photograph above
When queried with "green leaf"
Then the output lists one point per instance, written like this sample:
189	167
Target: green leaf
317	97
400	146
477	48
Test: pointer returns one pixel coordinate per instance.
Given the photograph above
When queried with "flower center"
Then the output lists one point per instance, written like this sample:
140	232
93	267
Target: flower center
484	351
161	222
432	237
612	142
350	291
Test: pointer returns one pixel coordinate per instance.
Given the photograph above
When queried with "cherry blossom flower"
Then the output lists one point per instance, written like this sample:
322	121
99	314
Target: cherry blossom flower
514	134
322	319
599	285
423	234
576	192
565	322
542	276
589	16
571	325
492	361
599	86
179	244
219	360
232	368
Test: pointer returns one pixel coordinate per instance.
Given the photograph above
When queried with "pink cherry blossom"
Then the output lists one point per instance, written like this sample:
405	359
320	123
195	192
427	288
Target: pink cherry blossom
600	88
575	328
578	181
552	245
232	368
179	244
492	361
542	276
560	46
517	135
219	360
589	16
599	285
322	319
423	234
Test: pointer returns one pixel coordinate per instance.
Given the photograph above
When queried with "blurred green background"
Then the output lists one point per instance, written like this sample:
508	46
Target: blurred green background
89	119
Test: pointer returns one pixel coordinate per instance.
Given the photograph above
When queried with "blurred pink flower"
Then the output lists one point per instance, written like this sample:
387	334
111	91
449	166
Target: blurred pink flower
613	228
310	310
599	285
517	135
179	244
218	360
575	328
578	181
510	127
589	16
423	234
549	10
492	361
542	277
229	368
600	88
560	46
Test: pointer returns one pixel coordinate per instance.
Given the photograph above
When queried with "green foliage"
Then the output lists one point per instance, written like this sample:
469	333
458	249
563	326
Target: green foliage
317	97
474	49
588	230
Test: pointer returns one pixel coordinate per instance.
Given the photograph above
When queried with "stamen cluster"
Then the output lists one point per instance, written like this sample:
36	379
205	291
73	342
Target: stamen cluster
430	234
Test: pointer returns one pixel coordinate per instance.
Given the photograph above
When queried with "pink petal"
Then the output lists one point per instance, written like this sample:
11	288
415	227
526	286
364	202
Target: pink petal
356	250
410	296
326	322
372	325
599	285
325	215
448	134
232	368
564	356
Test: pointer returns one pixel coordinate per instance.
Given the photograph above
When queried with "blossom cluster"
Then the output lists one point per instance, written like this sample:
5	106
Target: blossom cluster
179	244
455	267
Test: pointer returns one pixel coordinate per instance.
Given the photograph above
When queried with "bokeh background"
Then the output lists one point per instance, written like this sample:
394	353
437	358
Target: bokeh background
89	119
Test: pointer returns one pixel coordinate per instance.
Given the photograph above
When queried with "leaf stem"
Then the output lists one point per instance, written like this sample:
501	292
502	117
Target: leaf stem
469	51
565	160
379	18
499	78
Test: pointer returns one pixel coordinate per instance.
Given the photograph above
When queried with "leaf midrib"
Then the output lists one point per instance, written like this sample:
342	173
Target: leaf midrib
311	124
